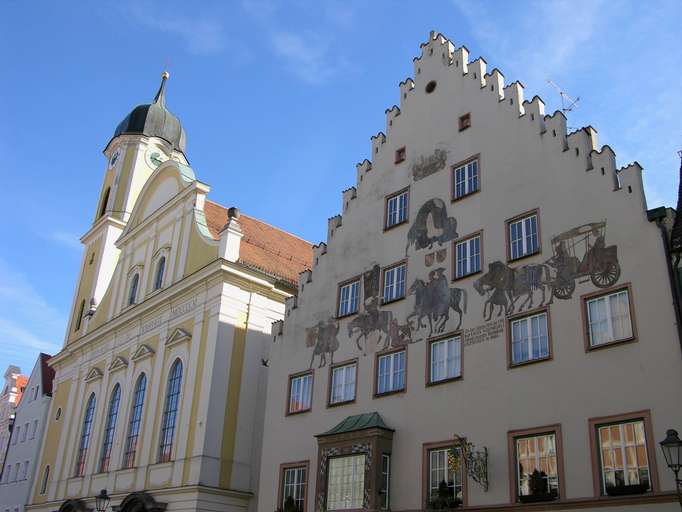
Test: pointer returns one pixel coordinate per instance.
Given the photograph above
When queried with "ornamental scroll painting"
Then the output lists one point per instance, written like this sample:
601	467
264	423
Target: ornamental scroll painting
578	253
426	166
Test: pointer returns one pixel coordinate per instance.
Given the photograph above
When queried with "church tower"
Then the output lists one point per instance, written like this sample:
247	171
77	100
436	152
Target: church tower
147	137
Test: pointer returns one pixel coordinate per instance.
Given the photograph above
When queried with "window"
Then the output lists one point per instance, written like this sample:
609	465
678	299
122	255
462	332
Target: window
17	468
391	372
385	489
16	435
464	122
346	482
608	318
8	474
465	179
623	458
35	428
105	200
294	483
523	236
24	432
394	282
430	87
35	392
43	483
349	296
444	474
342	384
300	393
158	278
135	421
537	469
397	208
58	414
445	360
529	338
132	292
400	155
170	412
79	317
24	471
468	256
109	429
86	430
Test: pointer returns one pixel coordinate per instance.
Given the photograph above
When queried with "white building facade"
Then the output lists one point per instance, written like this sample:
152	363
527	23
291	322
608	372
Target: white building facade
19	473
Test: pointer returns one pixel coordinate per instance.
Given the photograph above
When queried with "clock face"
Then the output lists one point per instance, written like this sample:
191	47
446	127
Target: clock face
155	157
114	158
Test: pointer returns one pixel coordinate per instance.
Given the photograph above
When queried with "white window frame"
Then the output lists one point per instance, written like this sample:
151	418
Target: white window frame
297	389
394	368
351	481
622	447
553	483
397	208
452	364
341	377
528	321
394	282
467	175
468	261
386	480
441	456
605	300
297	485
522	244
349	304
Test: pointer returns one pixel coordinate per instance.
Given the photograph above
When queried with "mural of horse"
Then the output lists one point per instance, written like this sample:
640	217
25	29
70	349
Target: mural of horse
434	300
445	226
323	337
367	322
505	285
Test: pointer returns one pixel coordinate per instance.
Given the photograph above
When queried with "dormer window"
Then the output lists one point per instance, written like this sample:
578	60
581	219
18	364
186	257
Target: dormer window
158	276
132	291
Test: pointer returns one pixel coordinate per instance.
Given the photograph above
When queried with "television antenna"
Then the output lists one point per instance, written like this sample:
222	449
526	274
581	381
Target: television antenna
567	103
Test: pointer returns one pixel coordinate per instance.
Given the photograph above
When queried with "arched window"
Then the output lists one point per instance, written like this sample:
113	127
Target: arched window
158	278
132	293
86	430
43	483
170	411
79	318
135	421
105	200
109	429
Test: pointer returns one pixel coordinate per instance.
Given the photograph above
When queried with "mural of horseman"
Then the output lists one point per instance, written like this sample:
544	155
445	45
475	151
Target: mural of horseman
323	337
433	214
368	321
434	300
504	286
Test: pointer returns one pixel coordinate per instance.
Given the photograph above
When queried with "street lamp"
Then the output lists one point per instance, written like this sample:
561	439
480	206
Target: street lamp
102	501
672	451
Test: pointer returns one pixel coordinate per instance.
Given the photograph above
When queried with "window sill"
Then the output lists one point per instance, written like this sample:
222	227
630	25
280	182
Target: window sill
339	404
610	344
530	362
390	393
443	381
455	199
347	315
397	225
294	413
525	256
387	302
466	276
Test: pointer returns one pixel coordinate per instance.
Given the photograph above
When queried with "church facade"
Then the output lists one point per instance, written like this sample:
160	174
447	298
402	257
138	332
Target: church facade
490	323
159	389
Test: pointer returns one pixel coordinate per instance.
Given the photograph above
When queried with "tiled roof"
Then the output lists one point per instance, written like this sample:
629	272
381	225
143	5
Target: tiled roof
263	246
358	422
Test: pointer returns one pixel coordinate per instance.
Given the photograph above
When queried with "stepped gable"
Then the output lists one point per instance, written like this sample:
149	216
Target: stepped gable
263	246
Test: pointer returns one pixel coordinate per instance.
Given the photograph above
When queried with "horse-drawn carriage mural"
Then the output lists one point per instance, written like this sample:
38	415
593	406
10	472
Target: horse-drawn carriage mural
576	253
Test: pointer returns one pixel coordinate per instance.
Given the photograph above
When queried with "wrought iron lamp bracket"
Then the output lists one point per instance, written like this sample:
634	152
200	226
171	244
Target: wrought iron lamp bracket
475	461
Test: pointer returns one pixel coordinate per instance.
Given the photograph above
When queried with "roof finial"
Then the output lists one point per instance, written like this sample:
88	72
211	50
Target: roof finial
160	97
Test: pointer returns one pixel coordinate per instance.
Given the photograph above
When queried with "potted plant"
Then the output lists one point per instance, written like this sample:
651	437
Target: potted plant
289	505
620	489
444	500
539	489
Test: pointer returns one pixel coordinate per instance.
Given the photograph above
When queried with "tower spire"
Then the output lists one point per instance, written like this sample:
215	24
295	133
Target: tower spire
676	235
160	97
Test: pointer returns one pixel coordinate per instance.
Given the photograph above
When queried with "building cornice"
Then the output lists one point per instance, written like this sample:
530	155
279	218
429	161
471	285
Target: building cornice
96	227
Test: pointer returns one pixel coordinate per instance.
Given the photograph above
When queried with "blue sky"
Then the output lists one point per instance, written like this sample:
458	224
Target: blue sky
279	100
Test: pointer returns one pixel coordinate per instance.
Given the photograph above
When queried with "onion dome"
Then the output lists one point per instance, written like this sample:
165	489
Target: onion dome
155	120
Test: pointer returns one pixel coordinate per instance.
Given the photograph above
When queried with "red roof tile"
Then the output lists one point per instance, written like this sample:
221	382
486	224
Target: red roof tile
263	246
